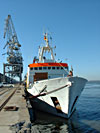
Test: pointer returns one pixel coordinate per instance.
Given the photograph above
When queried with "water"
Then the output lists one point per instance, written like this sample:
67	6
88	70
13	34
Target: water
86	118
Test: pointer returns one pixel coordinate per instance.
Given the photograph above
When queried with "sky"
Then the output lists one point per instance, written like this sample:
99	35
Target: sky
73	24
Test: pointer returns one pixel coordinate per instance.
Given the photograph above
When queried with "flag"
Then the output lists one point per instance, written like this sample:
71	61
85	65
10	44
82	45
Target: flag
45	38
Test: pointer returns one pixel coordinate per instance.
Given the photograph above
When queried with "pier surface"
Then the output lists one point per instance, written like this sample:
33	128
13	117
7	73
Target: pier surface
14	114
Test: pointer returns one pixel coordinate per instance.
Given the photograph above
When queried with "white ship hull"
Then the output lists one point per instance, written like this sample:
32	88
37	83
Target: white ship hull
57	96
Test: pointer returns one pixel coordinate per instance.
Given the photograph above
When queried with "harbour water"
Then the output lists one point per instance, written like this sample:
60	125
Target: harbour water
86	118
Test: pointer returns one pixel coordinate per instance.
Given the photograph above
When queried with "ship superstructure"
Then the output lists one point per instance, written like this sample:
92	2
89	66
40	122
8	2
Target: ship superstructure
46	68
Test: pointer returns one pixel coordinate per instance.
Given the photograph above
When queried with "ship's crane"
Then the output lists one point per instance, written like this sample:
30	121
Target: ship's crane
14	56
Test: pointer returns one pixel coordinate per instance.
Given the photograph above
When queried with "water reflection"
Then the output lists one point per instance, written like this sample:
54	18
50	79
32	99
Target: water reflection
46	123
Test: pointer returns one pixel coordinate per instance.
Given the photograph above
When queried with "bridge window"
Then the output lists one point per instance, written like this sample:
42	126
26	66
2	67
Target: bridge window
35	68
57	67
53	68
61	67
44	68
31	68
49	68
40	68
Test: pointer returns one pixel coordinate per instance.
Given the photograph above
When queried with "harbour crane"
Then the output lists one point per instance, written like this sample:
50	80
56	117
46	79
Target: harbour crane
14	56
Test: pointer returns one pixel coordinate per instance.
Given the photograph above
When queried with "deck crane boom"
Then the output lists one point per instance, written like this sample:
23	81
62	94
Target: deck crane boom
14	56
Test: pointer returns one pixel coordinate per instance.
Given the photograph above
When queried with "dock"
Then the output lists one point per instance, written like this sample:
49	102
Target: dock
14	110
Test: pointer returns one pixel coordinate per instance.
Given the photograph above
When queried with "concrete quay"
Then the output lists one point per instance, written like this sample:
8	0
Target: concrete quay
14	116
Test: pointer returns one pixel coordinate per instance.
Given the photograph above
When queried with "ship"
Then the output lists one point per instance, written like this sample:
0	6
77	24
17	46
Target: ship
52	86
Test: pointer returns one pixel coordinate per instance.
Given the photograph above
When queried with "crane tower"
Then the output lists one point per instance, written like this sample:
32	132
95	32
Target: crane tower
14	66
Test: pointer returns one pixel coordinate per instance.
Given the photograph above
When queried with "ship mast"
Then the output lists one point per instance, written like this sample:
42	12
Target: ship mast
46	48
